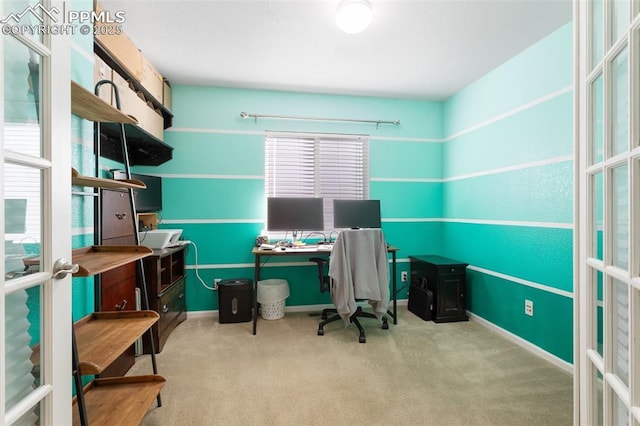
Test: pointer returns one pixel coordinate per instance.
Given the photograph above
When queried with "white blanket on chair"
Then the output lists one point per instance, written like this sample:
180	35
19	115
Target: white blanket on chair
359	267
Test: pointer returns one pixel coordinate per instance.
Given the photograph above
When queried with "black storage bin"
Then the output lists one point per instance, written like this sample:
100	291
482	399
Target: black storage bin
421	302
235	299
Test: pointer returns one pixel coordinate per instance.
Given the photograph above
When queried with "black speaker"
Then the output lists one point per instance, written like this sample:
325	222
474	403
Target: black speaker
421	302
235	300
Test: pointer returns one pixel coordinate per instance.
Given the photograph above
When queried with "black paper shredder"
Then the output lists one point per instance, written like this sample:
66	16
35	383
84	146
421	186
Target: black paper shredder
235	300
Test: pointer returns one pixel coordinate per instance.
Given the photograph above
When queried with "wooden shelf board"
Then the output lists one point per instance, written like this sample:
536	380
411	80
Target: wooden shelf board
103	336
89	106
94	182
95	260
120	400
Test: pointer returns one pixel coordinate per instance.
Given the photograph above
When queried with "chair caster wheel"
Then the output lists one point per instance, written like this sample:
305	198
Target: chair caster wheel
362	339
385	324
320	332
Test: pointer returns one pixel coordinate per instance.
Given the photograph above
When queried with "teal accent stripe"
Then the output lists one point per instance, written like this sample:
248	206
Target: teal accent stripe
213	198
542	132
538	194
405	159
517	82
219	108
540	255
212	154
501	302
408	199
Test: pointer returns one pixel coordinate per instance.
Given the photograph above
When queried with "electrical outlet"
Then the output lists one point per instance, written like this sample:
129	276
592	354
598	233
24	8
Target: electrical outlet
528	307
403	276
216	282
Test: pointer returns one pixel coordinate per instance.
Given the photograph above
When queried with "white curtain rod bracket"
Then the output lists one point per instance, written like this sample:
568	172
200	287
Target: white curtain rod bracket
289	117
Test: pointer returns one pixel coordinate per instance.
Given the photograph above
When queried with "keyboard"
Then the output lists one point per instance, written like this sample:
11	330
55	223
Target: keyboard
301	249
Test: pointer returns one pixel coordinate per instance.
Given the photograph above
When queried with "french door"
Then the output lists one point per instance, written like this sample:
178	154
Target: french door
607	285
35	150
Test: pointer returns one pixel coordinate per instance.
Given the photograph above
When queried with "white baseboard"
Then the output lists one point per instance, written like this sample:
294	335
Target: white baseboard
536	350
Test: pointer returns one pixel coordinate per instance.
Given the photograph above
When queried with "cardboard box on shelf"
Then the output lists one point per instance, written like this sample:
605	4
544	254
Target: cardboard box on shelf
153	123
130	103
119	46
102	71
166	94
151	79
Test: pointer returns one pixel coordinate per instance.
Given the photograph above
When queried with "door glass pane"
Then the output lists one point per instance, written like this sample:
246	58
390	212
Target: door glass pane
620	217
597	120
620	104
21	98
597	201
620	412
22	186
620	18
599	314
620	337
598	415
597	31
30	21
22	336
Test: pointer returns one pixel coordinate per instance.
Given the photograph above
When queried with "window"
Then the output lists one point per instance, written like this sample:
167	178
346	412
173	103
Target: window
317	165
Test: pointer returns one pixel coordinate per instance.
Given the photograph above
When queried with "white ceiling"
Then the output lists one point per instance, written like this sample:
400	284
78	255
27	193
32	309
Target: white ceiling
424	49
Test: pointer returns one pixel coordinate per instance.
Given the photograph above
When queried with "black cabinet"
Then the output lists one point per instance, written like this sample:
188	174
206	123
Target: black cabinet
446	279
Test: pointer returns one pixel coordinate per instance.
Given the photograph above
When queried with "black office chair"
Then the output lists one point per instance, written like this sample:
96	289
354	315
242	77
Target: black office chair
330	315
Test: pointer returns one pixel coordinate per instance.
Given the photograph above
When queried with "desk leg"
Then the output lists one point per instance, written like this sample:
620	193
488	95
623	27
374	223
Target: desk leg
256	278
395	295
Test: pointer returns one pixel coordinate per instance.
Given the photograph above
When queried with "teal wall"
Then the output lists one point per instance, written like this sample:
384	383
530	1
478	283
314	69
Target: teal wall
83	160
508	193
484	177
214	186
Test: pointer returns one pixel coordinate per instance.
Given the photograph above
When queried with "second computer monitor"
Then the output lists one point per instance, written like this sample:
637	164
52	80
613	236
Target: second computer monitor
356	214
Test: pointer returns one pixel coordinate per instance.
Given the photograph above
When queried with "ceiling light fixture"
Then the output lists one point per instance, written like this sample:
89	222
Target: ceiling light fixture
353	16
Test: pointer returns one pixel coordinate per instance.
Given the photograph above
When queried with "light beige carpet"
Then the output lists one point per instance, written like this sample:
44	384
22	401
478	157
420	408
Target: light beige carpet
415	373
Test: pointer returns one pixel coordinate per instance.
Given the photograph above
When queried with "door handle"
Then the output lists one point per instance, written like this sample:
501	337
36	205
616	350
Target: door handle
62	267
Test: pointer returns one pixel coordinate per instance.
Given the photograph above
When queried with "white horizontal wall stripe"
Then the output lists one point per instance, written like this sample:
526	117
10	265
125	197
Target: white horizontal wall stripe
214	131
400	139
514	111
521	166
202	221
208	176
559	225
263	132
555	225
410	180
522	282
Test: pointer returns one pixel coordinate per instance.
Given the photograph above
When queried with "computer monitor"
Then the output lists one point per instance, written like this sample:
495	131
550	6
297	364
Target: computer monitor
149	199
356	214
295	214
15	215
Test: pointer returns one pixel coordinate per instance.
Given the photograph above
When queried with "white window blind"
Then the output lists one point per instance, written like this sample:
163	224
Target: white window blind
310	165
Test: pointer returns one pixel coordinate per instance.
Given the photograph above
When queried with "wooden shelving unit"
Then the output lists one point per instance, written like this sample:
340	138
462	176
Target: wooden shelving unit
122	401
95	182
95	260
87	105
116	331
100	338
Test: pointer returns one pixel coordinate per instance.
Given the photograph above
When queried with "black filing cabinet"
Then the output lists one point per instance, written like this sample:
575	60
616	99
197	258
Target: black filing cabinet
446	279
